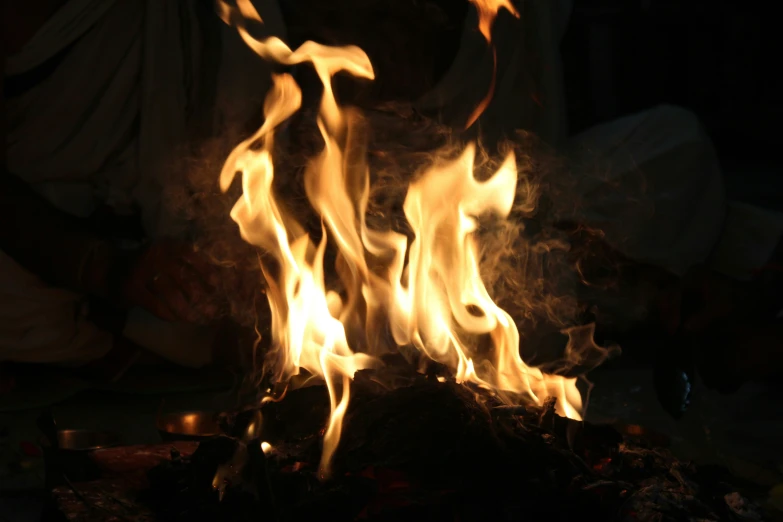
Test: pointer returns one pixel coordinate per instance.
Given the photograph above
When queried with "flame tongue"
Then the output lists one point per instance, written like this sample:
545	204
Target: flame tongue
436	302
487	12
443	269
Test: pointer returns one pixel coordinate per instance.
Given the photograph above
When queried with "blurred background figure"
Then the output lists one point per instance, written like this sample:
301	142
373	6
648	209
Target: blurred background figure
101	99
645	182
661	157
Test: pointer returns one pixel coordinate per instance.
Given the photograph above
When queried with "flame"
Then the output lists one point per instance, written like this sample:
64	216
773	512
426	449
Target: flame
435	302
487	12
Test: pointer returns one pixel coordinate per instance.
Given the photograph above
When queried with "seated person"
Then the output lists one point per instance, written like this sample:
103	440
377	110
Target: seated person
649	183
100	100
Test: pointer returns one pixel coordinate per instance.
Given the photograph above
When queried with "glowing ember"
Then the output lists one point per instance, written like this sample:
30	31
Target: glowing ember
435	302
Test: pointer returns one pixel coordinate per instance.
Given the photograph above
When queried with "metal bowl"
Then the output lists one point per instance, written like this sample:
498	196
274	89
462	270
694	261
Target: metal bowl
71	456
189	425
85	440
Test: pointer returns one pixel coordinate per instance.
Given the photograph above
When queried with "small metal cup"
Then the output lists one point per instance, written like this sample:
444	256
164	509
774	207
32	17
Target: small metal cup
85	440
188	425
69	459
67	451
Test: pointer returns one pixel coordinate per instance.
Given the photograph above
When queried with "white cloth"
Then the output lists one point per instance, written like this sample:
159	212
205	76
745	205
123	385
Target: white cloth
103	127
652	184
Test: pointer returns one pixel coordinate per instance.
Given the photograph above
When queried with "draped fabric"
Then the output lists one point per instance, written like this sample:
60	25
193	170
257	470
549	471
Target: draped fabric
122	86
129	84
651	182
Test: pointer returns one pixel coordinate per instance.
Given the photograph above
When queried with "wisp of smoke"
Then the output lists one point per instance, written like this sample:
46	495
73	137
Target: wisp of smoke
530	262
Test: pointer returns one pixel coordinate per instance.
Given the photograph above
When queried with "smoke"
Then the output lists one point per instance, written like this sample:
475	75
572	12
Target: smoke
201	212
535	264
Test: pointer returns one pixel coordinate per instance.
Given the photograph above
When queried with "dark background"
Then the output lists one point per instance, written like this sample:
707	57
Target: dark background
719	59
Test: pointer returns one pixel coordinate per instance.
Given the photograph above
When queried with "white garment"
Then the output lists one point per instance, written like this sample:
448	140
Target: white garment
652	184
103	127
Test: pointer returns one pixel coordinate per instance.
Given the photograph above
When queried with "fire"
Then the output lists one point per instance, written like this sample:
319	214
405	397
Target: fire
487	12
434	300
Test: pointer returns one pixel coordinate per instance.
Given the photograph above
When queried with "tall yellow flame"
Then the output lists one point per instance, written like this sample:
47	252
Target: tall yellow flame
436	302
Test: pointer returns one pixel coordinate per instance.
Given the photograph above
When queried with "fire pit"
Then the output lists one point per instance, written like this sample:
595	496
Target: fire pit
427	450
427	410
188	425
